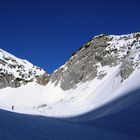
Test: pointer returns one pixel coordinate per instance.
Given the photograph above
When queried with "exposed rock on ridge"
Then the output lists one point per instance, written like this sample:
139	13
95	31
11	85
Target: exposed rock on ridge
103	50
15	72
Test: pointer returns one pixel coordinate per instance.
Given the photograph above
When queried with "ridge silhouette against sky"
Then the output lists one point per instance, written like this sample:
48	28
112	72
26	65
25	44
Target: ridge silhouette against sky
48	32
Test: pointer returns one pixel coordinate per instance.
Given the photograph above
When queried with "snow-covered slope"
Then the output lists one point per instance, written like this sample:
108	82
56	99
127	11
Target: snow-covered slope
15	72
53	101
100	72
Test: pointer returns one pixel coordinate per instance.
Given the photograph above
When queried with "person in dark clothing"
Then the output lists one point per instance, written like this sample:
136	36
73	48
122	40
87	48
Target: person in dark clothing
12	107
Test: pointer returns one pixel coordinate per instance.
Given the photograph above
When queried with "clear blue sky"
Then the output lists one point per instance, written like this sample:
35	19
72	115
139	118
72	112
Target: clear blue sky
47	32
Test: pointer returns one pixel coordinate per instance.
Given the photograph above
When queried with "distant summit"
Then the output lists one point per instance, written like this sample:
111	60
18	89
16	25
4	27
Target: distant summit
15	72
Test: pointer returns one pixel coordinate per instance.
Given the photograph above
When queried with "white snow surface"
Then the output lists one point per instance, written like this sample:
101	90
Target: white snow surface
52	101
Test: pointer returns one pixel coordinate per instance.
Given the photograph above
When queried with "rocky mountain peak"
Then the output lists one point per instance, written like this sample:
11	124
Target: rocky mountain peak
14	71
102	51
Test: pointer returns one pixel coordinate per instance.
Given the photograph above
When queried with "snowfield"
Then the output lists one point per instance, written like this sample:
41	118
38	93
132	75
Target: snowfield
54	102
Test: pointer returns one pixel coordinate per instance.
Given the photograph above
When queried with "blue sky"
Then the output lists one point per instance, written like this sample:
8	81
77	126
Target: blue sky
47	32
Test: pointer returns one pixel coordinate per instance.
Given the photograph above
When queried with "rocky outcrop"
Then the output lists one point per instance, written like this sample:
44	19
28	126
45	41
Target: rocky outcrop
5	80
83	65
11	81
126	70
43	79
101	51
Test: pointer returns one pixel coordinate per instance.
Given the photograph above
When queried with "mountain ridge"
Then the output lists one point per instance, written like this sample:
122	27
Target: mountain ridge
103	50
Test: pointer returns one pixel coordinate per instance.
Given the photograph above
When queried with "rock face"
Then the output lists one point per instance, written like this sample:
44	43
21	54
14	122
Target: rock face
103	50
43	79
15	72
